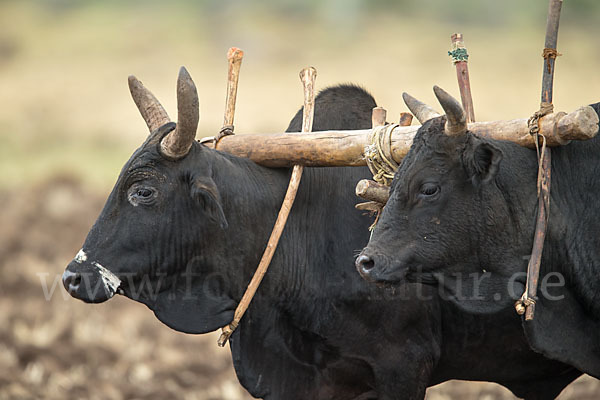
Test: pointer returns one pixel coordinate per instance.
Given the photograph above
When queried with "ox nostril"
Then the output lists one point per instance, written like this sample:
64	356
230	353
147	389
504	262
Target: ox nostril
365	263
71	281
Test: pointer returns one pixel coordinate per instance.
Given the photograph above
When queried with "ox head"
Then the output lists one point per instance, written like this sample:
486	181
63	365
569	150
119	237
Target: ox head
144	244
440	201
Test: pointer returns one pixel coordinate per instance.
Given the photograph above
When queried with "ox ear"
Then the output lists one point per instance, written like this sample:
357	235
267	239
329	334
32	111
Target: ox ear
482	161
205	192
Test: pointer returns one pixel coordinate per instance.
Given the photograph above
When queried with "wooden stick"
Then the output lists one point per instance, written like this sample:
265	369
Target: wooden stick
405	119
346	148
462	74
372	191
234	58
371	206
378	116
544	178
552	23
533	267
307	76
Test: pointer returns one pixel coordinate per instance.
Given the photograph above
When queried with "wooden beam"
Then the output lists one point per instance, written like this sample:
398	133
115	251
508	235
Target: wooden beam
346	148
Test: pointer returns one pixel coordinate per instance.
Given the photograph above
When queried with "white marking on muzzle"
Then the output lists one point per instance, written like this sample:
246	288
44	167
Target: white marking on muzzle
110	280
80	257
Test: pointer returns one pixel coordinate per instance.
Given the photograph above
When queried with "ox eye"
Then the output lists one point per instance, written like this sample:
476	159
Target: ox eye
429	190
144	193
141	195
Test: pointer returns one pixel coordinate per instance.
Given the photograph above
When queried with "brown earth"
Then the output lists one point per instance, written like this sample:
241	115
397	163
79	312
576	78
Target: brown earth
54	347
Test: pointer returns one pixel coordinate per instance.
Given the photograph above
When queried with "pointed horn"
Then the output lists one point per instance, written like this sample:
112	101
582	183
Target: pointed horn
419	109
152	112
456	118
177	143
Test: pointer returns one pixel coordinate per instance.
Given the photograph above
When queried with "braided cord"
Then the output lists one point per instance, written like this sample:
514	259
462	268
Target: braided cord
378	154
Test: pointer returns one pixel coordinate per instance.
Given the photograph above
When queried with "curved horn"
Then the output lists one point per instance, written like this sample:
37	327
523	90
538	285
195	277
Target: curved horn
420	110
153	113
177	143
456	118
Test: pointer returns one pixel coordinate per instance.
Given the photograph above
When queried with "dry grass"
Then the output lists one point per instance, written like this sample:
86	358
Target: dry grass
65	111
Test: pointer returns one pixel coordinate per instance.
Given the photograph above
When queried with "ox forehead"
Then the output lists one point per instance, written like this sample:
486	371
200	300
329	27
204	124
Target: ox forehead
461	216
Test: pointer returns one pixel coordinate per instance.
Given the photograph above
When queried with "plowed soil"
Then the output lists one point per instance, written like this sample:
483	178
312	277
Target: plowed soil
55	347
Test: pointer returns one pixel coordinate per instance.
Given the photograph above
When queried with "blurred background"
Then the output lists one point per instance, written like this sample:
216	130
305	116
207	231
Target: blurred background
67	125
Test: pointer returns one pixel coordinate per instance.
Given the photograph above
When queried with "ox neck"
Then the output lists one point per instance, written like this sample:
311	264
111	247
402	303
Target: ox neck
574	222
512	198
250	197
300	269
568	249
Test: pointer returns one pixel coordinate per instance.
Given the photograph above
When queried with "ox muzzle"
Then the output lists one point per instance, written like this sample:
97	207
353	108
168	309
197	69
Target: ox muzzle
89	281
377	268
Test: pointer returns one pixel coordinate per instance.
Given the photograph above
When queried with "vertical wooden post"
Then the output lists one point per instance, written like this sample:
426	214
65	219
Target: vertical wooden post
405	119
234	61
307	77
234	58
459	57
550	49
544	177
378	116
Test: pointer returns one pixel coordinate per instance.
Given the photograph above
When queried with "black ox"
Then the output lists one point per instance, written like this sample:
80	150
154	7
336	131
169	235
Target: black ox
185	227
461	216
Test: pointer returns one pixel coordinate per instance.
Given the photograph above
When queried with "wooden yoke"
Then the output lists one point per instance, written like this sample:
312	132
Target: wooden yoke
346	148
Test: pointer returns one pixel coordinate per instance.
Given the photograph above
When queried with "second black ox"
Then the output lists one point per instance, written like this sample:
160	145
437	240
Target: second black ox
461	216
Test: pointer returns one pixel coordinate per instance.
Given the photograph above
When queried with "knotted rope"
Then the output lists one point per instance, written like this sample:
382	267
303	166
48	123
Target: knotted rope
548	54
528	299
380	161
534	130
378	154
226	130
524	302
